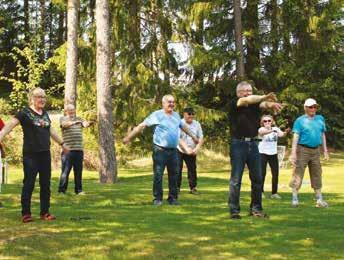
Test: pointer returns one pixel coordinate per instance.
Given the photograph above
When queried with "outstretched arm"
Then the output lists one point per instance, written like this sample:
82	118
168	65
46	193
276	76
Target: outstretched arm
8	128
255	99
137	130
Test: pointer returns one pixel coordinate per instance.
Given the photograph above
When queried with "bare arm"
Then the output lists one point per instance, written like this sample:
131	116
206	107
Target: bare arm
54	135
137	130
264	131
324	145
184	146
198	146
276	107
8	128
255	99
188	132
292	157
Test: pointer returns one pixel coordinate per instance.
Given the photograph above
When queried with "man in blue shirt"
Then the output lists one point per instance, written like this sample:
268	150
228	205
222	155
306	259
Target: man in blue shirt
167	125
309	134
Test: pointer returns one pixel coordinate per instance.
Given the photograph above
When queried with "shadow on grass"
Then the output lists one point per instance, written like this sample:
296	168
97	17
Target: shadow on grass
124	224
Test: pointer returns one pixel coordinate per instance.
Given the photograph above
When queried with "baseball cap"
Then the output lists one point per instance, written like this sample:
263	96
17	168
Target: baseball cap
310	102
189	110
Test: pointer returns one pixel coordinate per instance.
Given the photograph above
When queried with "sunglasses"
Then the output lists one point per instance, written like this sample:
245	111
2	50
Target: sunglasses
266	121
191	114
312	107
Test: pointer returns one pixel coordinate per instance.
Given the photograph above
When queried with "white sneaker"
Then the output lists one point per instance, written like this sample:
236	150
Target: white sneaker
321	204
295	203
276	196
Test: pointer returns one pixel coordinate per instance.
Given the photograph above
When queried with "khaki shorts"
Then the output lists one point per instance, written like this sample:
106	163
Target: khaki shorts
311	158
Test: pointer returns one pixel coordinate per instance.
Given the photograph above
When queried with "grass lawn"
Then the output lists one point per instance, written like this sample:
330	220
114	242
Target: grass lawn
124	224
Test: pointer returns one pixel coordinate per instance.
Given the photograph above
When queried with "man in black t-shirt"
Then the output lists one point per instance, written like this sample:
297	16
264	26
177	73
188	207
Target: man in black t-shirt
244	117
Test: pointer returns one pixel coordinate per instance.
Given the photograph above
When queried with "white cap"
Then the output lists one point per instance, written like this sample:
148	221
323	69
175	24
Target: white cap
310	102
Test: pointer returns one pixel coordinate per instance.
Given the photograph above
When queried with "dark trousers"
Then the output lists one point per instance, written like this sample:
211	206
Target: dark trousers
273	162
74	160
165	158
34	163
190	161
245	153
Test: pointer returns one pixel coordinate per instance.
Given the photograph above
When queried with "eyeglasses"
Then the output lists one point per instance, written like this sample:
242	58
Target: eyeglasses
267	121
42	97
171	101
191	114
312	107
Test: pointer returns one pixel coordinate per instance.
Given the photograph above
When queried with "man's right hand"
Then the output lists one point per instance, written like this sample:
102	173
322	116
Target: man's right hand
126	140
270	97
292	159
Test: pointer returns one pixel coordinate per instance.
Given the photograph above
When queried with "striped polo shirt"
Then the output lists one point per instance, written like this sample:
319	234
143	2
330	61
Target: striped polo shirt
72	136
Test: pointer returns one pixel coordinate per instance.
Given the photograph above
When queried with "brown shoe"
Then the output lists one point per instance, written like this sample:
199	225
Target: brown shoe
48	217
27	218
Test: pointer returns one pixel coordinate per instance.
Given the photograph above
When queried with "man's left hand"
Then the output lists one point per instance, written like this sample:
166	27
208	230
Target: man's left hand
326	156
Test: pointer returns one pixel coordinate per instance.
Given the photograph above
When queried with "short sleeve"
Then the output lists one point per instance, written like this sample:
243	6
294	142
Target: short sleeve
2	124
20	116
297	126
200	131
152	119
324	124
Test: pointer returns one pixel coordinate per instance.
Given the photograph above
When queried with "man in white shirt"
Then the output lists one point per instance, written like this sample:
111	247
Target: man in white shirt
189	157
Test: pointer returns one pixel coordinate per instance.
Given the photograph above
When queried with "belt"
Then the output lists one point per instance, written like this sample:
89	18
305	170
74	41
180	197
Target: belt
309	147
246	139
165	148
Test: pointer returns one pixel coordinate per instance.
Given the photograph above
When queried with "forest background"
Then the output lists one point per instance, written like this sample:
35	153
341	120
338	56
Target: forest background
184	47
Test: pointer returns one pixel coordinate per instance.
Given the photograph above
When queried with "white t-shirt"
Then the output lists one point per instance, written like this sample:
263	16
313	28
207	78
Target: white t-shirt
268	145
196	129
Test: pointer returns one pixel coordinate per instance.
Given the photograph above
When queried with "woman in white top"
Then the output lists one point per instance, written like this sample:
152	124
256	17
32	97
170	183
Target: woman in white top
268	150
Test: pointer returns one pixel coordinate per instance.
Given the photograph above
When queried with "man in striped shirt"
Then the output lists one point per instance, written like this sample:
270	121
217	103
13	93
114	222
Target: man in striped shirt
72	127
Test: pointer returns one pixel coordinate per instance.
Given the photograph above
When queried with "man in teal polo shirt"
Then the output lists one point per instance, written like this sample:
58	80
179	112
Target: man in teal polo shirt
167	125
309	134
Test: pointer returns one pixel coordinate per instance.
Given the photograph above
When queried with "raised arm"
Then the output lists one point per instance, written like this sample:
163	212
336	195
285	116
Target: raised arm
8	128
255	99
137	130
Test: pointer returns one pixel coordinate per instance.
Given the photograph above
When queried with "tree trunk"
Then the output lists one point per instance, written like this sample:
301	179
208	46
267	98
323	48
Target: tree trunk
42	29
252	58
108	165
240	69
61	27
26	21
72	52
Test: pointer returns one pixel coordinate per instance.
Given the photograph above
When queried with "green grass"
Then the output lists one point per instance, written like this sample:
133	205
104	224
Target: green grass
124	224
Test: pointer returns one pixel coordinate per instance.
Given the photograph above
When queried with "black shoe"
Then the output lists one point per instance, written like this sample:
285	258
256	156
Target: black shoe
235	216
258	214
194	191
157	202
173	202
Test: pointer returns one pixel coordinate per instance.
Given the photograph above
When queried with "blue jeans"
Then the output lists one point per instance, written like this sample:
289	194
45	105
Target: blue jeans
74	160
242	153
162	158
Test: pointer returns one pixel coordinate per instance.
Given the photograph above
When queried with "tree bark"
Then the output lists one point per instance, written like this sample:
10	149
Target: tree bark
72	53
108	165
252	58
240	69
26	21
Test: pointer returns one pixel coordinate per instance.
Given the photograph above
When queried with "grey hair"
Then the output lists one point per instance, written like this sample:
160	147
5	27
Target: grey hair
241	85
164	98
69	107
32	93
